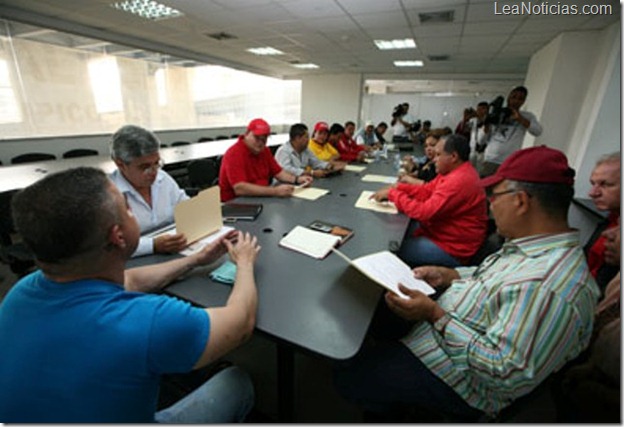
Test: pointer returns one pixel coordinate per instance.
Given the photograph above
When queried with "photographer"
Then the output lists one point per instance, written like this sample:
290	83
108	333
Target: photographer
402	123
508	127
479	131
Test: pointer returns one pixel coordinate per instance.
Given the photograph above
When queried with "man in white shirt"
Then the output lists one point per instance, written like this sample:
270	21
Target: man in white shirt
150	192
507	134
401	124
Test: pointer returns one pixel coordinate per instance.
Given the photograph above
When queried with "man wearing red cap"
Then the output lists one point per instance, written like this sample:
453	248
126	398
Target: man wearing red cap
319	145
498	330
248	167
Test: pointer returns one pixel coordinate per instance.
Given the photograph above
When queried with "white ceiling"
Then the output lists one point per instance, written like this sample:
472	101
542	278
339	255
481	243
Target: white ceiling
337	35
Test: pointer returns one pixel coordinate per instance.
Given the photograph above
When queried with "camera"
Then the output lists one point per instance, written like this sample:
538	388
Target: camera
398	111
498	114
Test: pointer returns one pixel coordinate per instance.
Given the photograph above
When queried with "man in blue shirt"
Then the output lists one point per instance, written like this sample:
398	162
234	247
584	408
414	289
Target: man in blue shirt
82	339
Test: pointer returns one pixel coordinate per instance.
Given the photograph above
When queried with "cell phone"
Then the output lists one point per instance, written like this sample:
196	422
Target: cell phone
317	225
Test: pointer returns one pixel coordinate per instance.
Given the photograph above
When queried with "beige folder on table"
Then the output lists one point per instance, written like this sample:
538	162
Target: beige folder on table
200	216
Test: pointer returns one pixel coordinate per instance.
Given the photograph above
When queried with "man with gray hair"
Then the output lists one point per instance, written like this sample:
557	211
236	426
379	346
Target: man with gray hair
605	193
151	192
83	342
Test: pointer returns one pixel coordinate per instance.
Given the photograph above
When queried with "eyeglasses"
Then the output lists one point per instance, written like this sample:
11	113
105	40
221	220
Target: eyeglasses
492	196
145	169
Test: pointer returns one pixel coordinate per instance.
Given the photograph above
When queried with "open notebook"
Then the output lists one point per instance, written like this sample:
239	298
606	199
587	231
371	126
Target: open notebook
316	244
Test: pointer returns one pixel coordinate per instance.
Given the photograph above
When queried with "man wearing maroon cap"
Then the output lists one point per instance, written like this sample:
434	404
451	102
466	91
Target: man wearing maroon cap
498	330
248	167
319	145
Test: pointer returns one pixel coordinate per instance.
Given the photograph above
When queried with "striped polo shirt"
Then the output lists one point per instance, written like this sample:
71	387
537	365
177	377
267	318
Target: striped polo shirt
512	321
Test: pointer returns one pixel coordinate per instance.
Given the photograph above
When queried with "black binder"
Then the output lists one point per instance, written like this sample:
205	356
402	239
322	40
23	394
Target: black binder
232	212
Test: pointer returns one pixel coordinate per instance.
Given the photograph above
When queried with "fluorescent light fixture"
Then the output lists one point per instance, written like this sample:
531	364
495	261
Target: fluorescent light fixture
147	9
306	66
395	44
265	51
408	63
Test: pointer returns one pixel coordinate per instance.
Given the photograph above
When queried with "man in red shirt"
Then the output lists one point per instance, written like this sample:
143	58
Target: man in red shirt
248	167
449	213
605	193
349	150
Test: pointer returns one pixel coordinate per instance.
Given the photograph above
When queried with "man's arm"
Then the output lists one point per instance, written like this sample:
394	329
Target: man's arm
248	189
153	278
233	324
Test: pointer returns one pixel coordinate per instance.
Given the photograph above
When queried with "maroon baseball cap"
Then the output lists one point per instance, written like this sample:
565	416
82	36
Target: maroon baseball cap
535	164
259	127
320	127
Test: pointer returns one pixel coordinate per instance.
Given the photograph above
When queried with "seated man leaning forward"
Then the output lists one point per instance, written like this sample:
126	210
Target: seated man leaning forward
152	193
295	157
500	329
248	167
449	213
83	341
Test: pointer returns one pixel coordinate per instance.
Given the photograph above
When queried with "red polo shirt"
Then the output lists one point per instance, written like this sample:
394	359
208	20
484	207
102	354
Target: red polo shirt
239	164
348	149
451	210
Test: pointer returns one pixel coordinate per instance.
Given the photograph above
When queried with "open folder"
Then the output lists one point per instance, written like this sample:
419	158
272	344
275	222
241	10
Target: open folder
200	216
387	270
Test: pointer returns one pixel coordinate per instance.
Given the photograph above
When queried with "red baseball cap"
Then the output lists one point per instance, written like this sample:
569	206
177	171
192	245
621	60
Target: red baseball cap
535	164
259	127
321	126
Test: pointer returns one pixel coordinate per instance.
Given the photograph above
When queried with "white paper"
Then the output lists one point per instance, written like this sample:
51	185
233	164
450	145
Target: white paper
309	242
309	193
384	179
365	202
353	168
200	244
388	270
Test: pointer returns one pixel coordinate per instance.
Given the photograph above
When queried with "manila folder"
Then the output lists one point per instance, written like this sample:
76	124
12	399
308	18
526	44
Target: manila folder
200	216
388	270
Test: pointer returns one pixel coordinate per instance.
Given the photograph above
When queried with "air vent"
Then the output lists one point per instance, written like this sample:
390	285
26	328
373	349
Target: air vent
221	36
436	17
437	58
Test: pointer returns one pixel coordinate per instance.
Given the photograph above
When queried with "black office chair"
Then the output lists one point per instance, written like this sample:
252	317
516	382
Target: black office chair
220	137
273	149
13	252
179	143
205	139
80	152
235	135
203	173
32	157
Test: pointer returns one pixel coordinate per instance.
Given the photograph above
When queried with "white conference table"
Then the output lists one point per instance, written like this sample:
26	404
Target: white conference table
16	177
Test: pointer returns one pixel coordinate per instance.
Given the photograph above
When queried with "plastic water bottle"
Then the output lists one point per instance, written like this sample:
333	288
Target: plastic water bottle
397	162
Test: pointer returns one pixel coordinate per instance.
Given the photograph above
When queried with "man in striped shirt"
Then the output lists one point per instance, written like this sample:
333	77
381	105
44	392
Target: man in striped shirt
499	329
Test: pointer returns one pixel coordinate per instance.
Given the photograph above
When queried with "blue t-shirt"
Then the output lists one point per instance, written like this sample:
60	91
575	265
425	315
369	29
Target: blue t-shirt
89	351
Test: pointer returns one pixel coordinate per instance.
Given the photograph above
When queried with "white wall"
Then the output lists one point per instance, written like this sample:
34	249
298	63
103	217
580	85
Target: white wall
574	90
332	98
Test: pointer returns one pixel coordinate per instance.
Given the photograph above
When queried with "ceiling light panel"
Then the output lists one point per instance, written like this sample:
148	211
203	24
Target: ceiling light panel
408	63
395	44
265	51
147	9
306	66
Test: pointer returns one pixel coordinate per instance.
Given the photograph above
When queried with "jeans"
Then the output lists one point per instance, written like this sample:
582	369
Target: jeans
420	250
225	398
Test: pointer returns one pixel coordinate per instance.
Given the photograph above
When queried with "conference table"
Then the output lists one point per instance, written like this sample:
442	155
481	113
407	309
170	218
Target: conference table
322	306
16	177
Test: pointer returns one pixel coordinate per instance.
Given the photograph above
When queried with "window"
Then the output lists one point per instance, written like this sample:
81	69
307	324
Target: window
105	85
9	109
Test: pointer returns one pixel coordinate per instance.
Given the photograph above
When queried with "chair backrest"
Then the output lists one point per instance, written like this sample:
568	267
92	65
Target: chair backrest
220	137
32	157
80	152
203	173
205	139
178	143
235	135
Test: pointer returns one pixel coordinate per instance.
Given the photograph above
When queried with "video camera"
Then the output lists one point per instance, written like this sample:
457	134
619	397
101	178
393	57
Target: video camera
498	114
398	111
